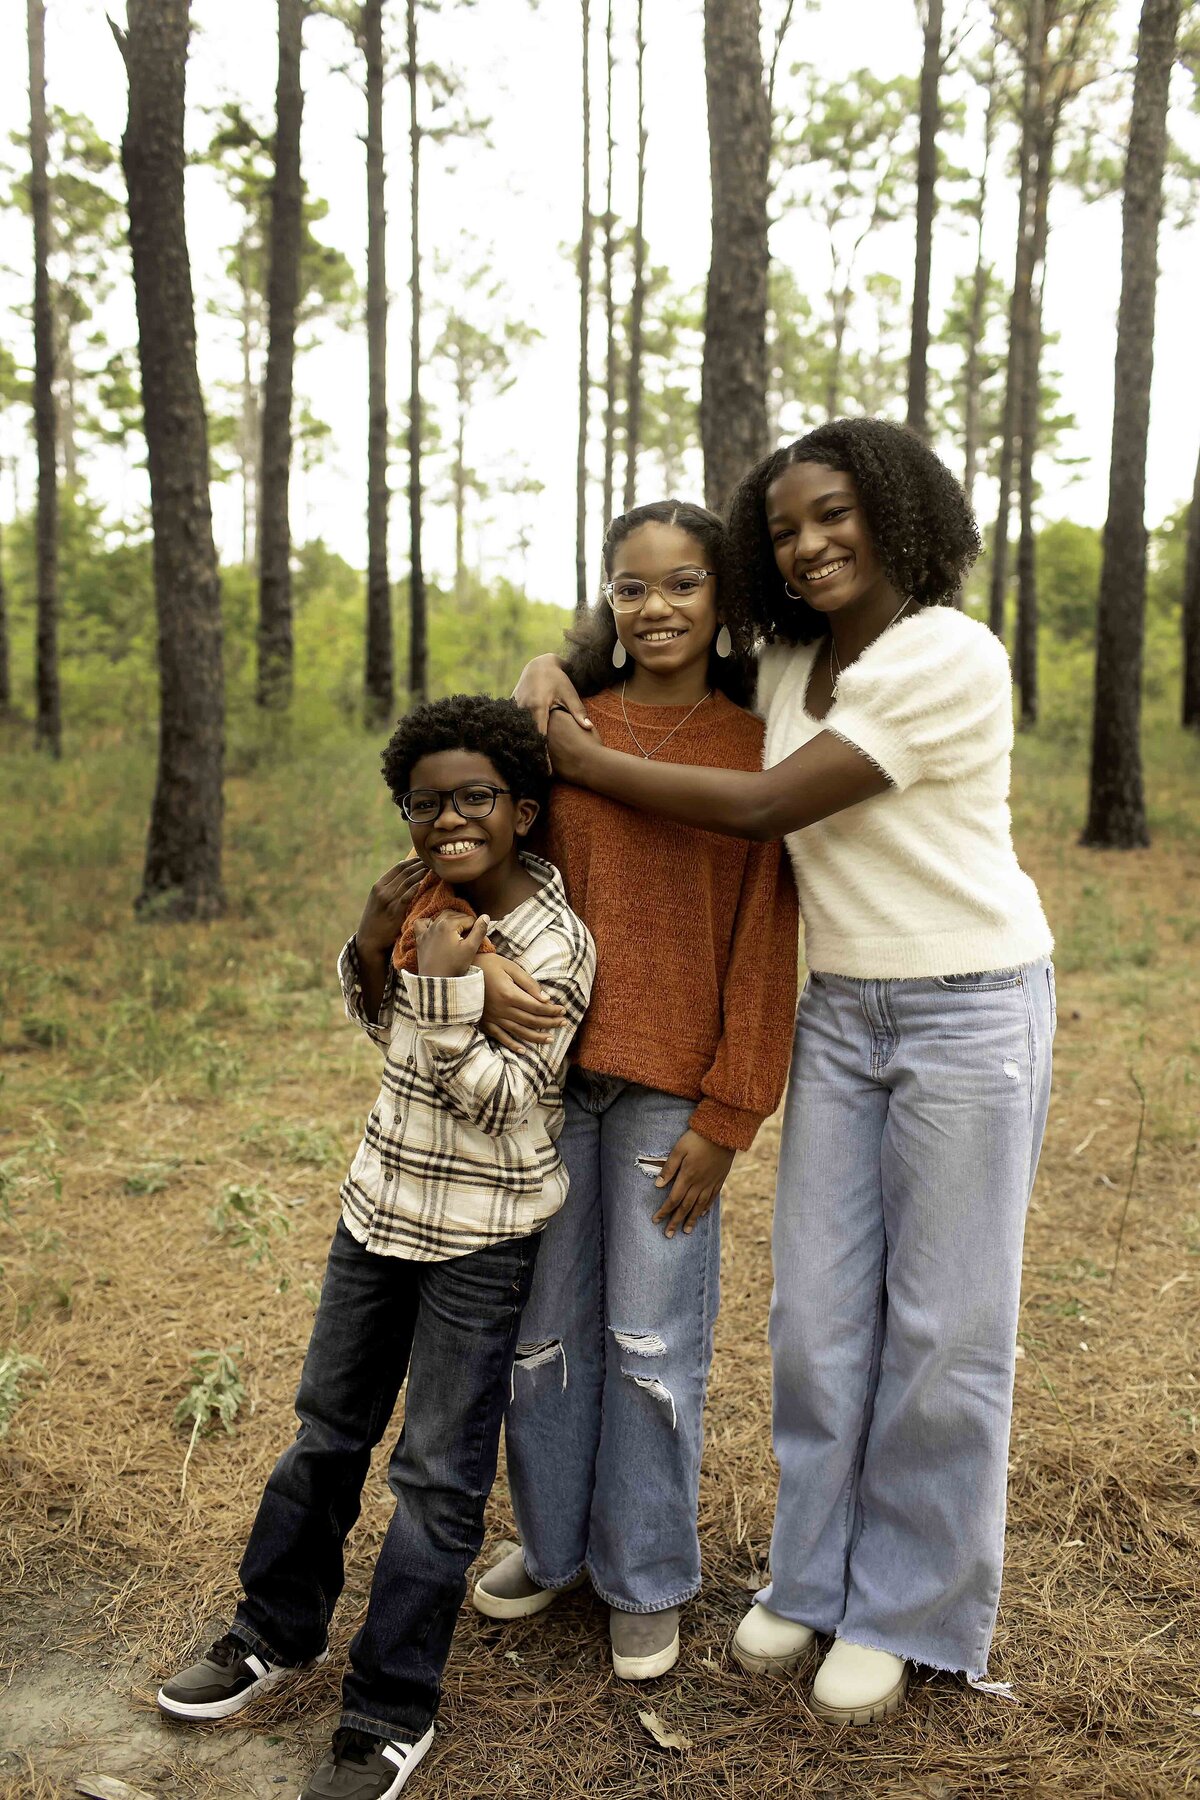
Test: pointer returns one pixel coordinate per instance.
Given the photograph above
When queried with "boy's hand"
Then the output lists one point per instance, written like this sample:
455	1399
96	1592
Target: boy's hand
514	1011
698	1170
447	945
386	909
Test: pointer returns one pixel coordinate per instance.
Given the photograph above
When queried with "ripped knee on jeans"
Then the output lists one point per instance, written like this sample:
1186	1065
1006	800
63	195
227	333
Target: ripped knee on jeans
535	1353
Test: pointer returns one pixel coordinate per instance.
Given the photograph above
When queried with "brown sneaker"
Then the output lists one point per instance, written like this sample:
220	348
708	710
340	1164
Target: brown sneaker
228	1676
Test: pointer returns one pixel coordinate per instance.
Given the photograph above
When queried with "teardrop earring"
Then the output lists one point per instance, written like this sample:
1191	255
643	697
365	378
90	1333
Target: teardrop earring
724	643
619	655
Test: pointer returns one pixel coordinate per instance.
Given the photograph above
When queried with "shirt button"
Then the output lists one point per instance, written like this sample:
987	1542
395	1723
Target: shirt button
387	1174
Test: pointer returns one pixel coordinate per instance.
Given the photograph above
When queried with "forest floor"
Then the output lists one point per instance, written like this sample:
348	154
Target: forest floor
179	1103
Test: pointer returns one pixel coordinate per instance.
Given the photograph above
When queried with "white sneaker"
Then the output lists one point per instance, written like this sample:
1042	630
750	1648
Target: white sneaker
856	1686
765	1644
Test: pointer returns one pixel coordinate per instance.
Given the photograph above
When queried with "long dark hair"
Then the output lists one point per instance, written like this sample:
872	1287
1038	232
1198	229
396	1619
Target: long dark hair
589	645
923	530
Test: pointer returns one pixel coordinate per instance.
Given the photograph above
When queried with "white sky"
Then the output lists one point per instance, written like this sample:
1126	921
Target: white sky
515	201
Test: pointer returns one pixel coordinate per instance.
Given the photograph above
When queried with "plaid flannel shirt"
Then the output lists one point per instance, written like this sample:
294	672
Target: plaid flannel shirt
460	1148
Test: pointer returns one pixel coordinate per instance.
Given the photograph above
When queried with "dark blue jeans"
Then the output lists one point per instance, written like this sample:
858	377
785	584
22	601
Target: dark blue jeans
452	1328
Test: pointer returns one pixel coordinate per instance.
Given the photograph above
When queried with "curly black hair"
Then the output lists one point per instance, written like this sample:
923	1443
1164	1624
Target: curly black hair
498	729
923	529
587	653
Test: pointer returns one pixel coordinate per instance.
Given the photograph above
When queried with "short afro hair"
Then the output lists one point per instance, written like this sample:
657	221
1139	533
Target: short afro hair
498	729
924	531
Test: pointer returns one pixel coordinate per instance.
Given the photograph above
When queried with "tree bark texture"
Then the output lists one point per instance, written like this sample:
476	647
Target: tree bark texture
275	653
1191	613
1116	802
637	302
379	684
585	295
927	153
972	374
1034	53
48	715
5	662
1028	420
182	877
733	394
610	315
418	638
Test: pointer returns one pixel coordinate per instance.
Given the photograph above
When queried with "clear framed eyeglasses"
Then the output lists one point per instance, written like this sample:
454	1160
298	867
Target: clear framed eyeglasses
682	587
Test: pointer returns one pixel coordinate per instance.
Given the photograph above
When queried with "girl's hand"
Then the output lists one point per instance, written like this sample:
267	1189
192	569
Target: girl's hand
698	1170
386	909
571	750
448	945
543	685
514	1010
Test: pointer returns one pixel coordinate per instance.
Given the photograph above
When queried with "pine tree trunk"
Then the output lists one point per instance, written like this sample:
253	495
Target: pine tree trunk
918	355
380	666
182	876
1116	804
275	655
610	317
585	284
463	400
48	722
972	372
1191	613
840	303
637	303
1018	310
5	664
733	394
418	641
1028	419
248	433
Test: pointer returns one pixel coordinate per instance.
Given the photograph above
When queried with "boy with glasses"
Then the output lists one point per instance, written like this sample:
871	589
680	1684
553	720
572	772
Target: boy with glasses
433	1257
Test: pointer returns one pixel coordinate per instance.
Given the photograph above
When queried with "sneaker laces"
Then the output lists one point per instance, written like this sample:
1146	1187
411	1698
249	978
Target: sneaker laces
353	1746
226	1651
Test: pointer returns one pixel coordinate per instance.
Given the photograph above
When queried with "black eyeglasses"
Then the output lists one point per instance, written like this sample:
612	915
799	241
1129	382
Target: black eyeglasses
475	800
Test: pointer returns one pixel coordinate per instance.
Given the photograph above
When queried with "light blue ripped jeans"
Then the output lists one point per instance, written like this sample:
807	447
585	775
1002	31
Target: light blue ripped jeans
914	1119
605	1428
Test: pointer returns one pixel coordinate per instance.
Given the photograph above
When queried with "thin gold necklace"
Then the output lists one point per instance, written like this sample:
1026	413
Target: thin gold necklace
835	664
647	754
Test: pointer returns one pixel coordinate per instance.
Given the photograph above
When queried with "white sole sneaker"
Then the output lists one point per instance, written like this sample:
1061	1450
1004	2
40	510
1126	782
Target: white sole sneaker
765	1644
862	1686
405	1757
271	1677
522	1606
645	1668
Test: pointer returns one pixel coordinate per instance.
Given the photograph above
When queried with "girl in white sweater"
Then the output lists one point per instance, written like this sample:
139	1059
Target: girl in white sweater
921	1066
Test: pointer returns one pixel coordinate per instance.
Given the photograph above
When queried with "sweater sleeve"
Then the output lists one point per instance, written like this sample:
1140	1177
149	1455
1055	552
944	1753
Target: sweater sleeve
758	1004
931	701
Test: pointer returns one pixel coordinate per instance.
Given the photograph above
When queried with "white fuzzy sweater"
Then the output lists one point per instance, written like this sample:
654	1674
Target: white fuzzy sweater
921	880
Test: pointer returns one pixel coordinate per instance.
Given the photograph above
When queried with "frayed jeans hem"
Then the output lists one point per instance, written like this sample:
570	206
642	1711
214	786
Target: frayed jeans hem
915	1656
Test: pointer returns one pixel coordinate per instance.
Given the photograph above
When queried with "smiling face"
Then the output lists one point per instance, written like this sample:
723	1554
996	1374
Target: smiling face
664	639
821	539
458	846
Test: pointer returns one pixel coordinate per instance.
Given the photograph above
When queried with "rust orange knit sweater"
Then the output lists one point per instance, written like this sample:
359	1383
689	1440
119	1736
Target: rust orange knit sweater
696	934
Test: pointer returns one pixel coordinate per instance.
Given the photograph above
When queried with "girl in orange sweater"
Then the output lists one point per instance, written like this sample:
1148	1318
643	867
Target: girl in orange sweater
683	1053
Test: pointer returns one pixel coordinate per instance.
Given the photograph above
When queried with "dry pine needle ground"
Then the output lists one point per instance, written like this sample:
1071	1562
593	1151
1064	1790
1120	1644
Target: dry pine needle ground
148	1071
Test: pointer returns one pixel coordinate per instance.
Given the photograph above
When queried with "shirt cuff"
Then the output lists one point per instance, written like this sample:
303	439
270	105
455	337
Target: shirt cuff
729	1126
439	1000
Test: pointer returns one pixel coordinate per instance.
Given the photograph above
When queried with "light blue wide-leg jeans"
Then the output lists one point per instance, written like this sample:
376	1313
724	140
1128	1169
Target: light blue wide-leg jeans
605	1428
914	1120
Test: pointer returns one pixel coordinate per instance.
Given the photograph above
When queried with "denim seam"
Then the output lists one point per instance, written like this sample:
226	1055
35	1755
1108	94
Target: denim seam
679	1599
1031	1040
389	1729
854	1479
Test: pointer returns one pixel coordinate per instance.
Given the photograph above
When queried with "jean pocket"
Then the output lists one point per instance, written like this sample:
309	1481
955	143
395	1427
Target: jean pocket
985	981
